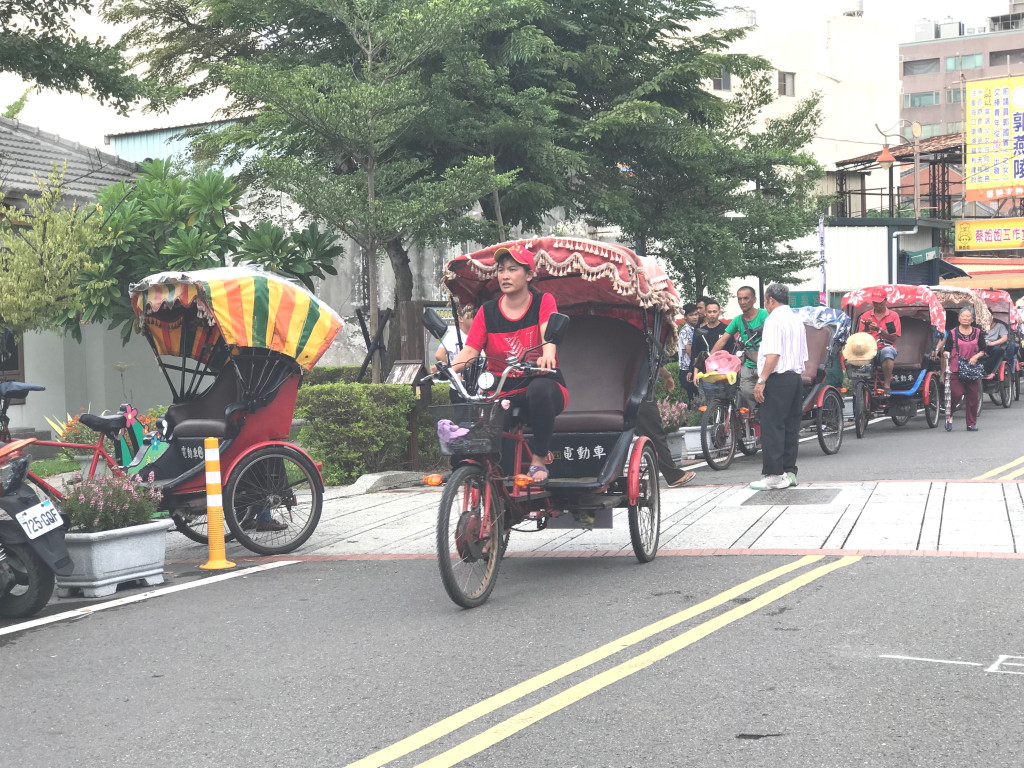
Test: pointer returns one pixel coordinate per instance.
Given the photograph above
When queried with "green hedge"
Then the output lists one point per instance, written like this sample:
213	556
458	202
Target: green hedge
358	428
332	374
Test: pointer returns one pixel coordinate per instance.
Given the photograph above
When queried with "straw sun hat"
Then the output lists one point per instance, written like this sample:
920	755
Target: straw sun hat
860	349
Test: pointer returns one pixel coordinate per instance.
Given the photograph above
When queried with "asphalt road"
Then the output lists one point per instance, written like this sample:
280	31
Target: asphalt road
324	664
910	452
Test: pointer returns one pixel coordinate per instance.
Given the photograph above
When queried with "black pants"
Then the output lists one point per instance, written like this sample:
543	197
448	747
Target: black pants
688	386
538	406
780	423
648	423
994	358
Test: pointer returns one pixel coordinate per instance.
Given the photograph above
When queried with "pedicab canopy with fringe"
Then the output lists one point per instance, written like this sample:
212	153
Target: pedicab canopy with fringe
908	300
201	314
955	298
1000	304
585	277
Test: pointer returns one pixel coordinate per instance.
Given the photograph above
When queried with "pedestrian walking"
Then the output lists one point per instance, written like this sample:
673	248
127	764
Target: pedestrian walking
691	319
966	346
780	363
648	422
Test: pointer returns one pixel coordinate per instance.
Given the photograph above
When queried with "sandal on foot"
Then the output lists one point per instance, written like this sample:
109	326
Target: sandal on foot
683	479
536	469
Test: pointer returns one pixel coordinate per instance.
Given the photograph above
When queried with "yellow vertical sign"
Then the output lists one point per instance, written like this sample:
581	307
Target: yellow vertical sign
994	132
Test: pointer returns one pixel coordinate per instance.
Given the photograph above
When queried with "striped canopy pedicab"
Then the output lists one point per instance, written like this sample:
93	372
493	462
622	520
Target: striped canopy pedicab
1005	387
233	344
621	310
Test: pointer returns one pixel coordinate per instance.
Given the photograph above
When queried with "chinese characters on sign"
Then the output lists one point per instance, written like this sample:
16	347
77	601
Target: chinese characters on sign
582	452
989	234
994	127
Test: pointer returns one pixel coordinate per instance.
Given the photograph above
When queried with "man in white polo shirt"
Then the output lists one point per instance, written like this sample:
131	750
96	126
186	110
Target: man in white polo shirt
780	362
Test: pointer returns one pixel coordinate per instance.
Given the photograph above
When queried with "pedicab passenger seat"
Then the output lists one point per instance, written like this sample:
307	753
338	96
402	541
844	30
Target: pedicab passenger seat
209	414
600	358
817	349
913	344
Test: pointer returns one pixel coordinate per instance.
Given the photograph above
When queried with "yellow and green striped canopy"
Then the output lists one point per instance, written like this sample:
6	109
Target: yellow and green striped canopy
247	306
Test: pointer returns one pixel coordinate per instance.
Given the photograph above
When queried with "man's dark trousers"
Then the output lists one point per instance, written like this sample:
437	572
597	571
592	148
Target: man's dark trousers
780	423
648	422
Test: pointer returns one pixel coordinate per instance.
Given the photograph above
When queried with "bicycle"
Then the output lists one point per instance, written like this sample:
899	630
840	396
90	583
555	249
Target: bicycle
726	424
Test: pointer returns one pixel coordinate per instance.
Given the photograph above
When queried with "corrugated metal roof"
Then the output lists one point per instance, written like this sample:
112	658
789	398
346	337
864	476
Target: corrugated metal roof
905	152
27	153
177	128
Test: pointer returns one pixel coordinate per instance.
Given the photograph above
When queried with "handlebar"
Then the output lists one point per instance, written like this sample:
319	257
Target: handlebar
445	373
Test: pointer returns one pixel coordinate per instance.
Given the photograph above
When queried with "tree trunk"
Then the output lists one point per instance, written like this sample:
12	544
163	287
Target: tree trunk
371	267
399	256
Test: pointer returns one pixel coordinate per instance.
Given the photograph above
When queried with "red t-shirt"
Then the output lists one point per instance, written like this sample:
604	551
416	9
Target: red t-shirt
497	335
888	317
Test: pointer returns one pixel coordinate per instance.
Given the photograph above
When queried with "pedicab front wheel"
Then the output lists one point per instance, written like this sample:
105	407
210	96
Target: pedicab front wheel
273	500
829	423
645	515
470	537
860	409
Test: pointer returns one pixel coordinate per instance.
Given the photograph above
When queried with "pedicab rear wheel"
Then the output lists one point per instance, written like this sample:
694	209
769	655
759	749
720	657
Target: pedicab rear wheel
829	420
468	558
718	435
192	523
931	410
273	485
860	409
1005	393
645	515
1015	384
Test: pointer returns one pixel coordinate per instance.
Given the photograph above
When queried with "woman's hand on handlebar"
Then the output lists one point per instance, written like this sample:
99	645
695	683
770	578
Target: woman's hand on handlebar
547	362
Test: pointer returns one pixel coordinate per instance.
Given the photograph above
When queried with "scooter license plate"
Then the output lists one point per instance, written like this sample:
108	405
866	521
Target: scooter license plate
40	519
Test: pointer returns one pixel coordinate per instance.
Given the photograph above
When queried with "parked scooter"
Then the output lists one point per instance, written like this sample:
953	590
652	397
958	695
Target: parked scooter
32	548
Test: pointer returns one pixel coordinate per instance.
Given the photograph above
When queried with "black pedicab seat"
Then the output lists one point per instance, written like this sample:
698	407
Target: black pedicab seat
599	358
913	345
207	415
817	350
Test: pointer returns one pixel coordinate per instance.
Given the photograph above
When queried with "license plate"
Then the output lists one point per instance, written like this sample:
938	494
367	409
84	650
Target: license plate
40	519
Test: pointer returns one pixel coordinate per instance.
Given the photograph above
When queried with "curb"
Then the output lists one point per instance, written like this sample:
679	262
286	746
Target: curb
376	481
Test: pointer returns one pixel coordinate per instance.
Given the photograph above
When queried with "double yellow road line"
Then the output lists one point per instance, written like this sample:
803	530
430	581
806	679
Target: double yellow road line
597	682
1010	471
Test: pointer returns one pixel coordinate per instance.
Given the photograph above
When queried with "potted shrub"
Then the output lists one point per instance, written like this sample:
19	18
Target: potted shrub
673	418
112	536
74	431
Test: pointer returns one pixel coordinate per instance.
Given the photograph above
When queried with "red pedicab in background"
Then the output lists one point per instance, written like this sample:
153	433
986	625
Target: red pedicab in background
233	344
1005	387
622	310
915	378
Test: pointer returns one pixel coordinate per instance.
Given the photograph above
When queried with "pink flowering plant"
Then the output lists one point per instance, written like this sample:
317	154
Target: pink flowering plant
110	502
673	414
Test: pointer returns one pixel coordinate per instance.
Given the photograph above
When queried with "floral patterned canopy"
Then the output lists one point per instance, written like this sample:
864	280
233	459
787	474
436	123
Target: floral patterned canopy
907	300
584	276
956	298
1000	304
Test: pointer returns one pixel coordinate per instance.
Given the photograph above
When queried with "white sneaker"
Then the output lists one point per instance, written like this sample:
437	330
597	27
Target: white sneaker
771	483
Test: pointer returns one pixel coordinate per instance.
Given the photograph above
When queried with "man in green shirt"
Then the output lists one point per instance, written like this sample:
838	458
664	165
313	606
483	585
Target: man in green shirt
747	327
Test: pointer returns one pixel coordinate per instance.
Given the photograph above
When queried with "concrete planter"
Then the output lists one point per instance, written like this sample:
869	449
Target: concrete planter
108	558
691	442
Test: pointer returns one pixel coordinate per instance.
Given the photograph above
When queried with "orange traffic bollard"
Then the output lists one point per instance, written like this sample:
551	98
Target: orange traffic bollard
214	509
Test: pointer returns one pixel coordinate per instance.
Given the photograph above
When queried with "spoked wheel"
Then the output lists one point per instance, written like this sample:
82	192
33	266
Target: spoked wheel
1005	394
860	409
33	583
748	444
902	413
931	410
192	523
273	500
830	423
718	435
1015	385
470	537
645	515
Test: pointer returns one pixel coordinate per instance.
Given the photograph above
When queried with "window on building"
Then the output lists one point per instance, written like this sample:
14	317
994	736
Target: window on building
927	131
922	99
920	67
12	358
954	95
956	126
787	84
723	82
1006	58
967	61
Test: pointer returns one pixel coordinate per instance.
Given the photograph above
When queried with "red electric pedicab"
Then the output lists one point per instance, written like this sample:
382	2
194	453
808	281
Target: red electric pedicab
616	328
1005	387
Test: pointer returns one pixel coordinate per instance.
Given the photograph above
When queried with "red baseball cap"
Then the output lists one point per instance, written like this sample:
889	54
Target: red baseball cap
519	253
877	294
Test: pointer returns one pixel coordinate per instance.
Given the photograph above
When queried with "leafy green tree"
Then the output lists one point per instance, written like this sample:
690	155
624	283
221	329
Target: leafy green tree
167	220
43	249
39	43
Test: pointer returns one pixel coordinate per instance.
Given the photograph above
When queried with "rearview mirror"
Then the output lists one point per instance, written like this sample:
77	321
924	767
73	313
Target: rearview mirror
557	325
433	323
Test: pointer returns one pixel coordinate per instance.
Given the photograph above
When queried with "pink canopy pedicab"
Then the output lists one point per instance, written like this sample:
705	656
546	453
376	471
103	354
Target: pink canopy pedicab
616	328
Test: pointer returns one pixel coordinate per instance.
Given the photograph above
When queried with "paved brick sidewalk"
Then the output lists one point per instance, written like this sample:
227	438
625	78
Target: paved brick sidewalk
938	518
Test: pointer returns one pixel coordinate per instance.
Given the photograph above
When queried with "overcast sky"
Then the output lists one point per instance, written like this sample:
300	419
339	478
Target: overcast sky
903	13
